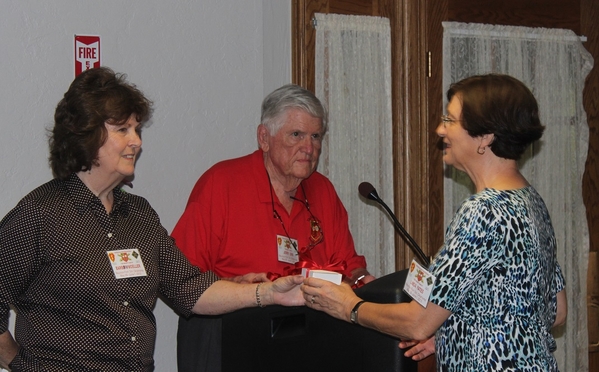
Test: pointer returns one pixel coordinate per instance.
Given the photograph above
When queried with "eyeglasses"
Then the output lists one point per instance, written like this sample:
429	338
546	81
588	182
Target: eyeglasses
316	234
445	120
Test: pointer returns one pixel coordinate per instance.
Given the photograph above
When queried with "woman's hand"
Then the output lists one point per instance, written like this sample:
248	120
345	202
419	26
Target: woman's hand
335	300
418	350
9	349
224	296
285	291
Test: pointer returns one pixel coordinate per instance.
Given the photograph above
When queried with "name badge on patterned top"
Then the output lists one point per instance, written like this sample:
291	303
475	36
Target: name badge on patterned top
126	263
419	283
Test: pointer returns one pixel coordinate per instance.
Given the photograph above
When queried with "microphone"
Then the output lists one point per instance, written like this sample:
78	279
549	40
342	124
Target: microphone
369	192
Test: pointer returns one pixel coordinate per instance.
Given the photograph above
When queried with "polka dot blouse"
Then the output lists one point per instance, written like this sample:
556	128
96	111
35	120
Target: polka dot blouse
73	314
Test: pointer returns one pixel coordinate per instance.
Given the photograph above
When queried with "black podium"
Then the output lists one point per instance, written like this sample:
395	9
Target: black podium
299	339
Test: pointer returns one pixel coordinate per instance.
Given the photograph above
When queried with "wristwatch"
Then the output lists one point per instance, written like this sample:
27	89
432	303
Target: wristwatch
353	316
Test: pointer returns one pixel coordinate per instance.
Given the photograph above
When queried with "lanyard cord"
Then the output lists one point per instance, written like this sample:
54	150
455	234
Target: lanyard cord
316	235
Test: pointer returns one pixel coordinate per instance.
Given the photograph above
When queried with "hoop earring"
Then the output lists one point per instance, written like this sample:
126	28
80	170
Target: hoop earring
481	151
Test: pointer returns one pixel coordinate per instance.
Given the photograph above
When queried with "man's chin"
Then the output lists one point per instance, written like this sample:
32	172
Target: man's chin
304	173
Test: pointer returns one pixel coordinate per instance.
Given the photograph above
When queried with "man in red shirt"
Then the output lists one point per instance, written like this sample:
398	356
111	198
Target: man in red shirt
268	211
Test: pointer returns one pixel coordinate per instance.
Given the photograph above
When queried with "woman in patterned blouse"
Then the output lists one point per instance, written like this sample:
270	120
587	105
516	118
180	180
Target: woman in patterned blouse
498	287
83	262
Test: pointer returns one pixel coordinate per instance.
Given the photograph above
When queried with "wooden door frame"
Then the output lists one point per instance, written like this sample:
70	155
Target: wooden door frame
589	13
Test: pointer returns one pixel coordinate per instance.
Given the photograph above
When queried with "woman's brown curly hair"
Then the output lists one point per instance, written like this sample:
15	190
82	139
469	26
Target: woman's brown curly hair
95	97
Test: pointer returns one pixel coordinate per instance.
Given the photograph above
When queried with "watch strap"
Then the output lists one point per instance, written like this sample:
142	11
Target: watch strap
353	316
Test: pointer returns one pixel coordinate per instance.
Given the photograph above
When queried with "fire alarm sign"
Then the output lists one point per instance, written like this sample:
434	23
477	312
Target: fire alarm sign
87	53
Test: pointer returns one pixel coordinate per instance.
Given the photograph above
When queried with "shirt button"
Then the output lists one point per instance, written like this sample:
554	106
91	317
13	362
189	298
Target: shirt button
110	235
125	303
133	338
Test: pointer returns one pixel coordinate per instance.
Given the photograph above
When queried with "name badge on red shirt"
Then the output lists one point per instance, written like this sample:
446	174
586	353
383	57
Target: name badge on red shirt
286	251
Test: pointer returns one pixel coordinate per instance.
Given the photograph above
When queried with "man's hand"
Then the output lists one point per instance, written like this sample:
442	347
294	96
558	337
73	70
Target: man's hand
249	278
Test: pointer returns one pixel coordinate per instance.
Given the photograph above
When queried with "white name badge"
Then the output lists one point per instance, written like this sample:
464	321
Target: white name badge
286	252
126	263
419	283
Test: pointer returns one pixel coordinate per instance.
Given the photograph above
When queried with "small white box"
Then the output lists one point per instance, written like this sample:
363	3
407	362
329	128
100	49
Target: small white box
330	276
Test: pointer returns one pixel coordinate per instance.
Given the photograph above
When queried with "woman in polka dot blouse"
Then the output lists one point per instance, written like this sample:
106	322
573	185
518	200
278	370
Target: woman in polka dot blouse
83	262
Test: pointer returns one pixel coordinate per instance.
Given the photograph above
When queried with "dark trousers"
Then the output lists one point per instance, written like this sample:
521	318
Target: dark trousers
199	344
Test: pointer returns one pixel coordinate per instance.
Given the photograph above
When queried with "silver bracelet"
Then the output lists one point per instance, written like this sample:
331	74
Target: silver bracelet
258	295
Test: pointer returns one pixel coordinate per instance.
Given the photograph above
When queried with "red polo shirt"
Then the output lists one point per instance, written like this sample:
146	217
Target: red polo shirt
228	225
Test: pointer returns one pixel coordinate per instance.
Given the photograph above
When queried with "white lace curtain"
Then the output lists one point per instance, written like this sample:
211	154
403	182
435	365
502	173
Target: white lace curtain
553	64
353	79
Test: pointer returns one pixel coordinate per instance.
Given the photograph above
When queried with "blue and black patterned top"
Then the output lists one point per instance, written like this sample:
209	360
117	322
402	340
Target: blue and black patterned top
498	274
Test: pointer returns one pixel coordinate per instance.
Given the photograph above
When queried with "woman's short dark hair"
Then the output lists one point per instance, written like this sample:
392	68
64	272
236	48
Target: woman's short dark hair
501	105
95	97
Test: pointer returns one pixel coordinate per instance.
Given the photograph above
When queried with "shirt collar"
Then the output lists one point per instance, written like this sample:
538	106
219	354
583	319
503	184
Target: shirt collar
83	198
260	177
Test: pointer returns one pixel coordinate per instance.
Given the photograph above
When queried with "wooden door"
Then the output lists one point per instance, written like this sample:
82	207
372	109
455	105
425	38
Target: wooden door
418	185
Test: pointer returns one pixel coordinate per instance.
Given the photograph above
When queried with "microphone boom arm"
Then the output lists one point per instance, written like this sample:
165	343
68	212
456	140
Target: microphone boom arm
423	259
369	192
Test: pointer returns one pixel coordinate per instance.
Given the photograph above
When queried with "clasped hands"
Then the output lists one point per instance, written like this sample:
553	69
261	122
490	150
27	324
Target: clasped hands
335	300
338	300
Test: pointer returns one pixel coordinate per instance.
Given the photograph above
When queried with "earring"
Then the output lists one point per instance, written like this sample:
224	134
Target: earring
481	150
